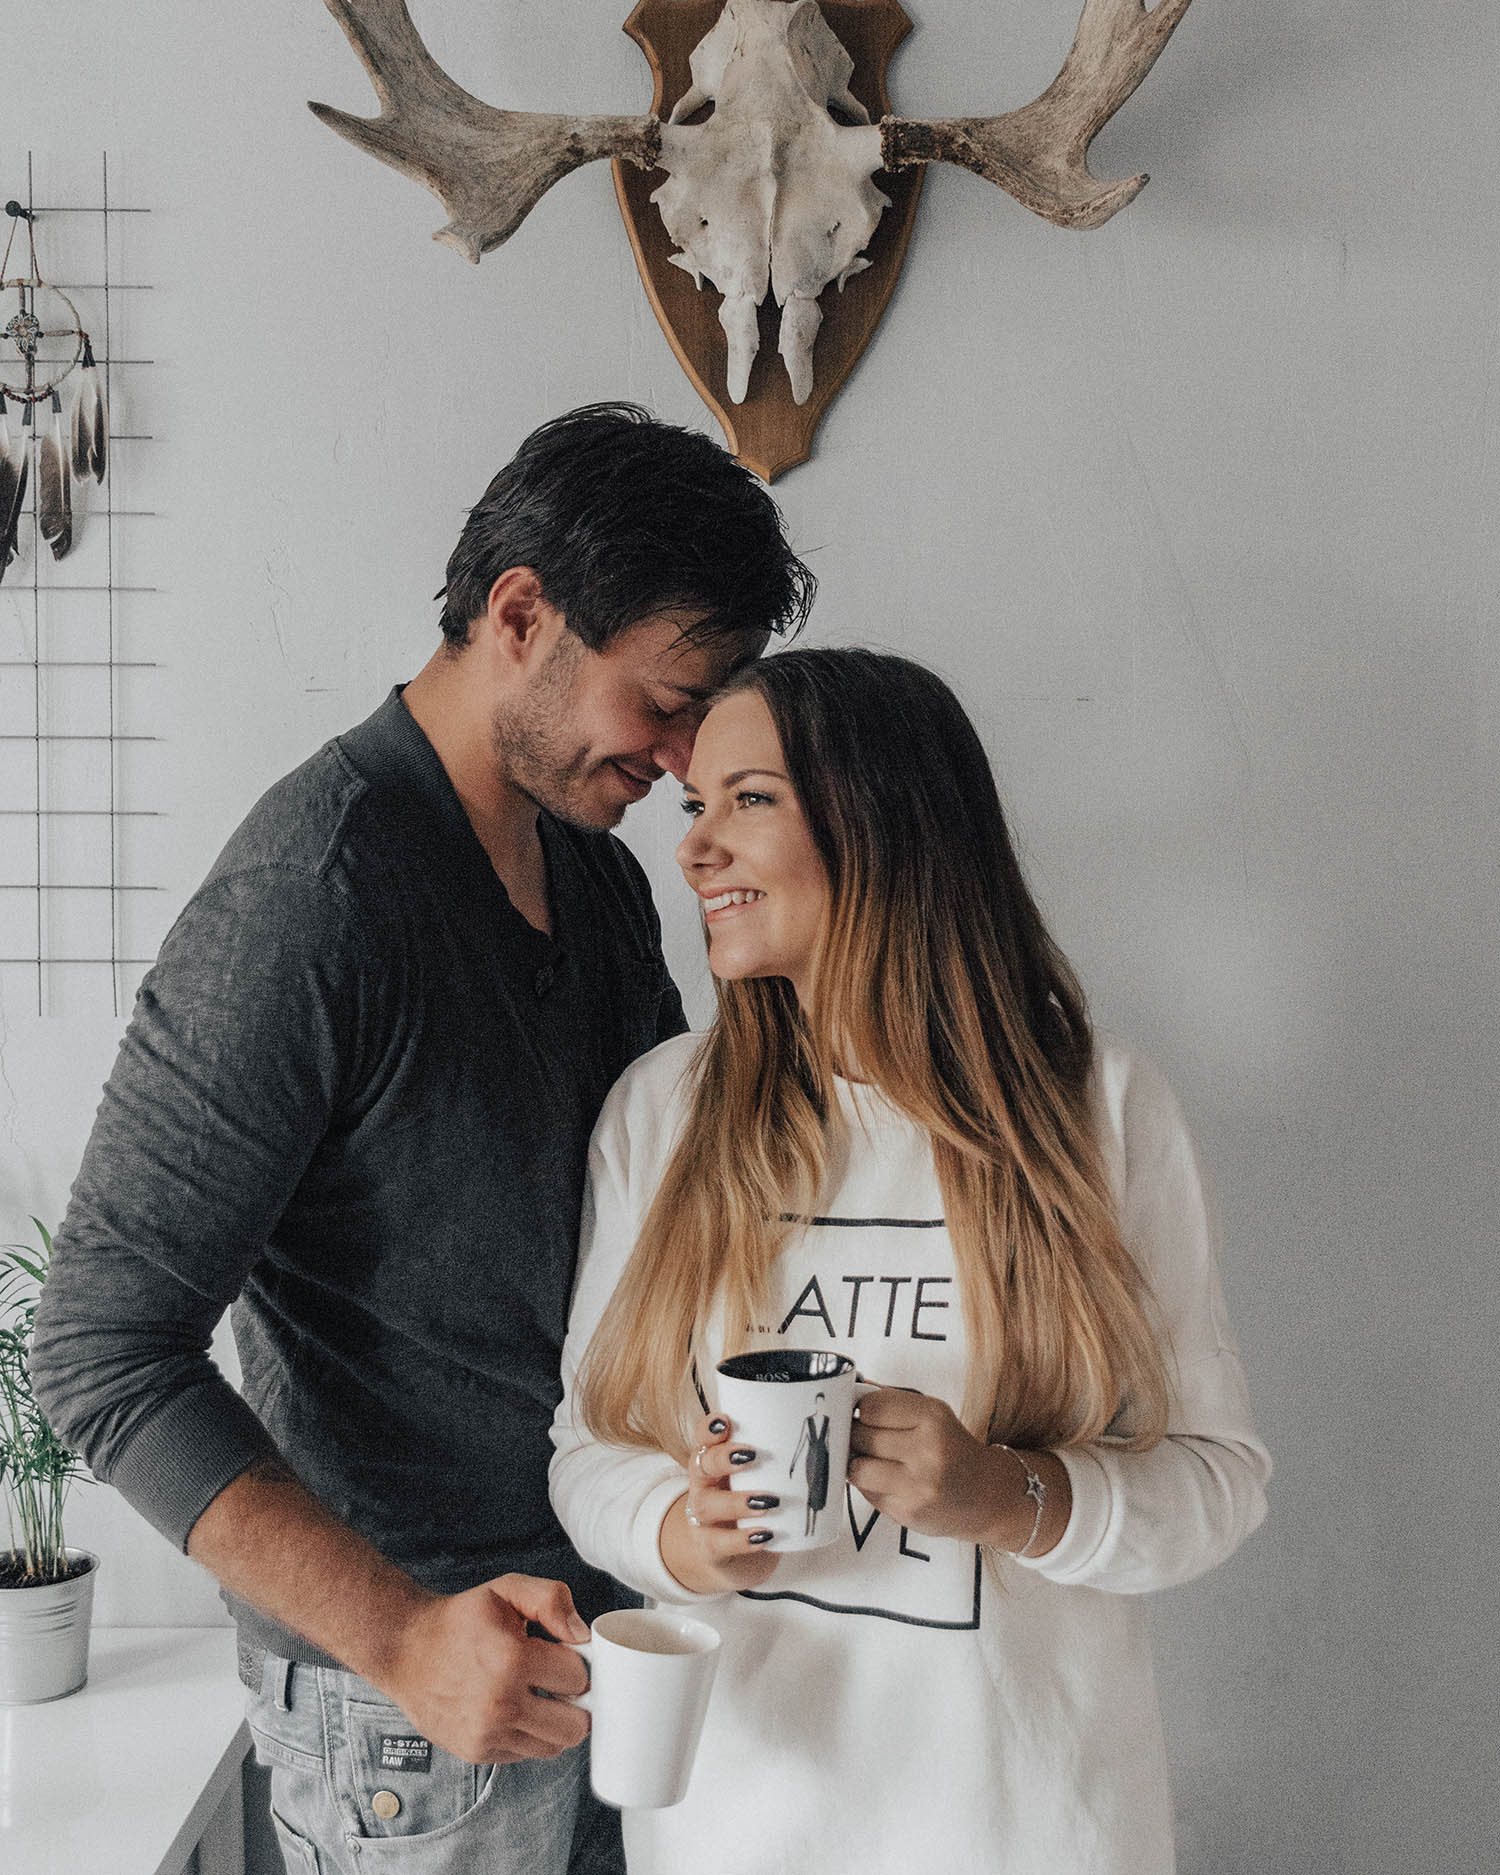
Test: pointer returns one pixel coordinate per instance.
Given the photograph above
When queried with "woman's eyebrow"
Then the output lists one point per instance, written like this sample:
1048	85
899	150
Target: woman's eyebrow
739	775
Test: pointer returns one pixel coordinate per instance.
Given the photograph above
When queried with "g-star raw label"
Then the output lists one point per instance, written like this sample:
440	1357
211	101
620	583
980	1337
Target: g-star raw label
404	1751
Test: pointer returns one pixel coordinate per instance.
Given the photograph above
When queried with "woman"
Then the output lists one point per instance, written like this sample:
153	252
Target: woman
900	1140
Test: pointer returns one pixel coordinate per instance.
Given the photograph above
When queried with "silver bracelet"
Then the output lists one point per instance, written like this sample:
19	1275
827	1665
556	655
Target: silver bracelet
1036	1490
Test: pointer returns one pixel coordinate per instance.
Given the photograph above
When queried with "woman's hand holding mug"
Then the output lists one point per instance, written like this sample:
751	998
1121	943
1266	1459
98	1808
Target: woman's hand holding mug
700	1540
917	1463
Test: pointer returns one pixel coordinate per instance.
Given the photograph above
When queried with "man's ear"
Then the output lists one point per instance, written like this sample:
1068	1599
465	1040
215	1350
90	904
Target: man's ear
518	622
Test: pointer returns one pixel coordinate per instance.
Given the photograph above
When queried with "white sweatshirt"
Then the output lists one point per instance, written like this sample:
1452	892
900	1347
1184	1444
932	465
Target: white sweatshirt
895	1702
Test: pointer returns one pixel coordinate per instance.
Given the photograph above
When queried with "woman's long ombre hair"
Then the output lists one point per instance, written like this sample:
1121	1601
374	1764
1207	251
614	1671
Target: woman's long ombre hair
936	980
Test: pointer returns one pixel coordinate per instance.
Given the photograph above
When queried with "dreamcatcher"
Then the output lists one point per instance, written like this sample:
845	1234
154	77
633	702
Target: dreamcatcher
42	343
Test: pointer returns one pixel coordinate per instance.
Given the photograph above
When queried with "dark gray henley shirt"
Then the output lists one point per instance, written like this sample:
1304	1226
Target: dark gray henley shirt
354	1101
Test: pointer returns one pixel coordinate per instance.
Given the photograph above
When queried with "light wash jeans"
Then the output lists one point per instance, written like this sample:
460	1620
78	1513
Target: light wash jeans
355	1790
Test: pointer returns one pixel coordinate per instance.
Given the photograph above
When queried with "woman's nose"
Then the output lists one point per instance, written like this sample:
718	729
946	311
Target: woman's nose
698	848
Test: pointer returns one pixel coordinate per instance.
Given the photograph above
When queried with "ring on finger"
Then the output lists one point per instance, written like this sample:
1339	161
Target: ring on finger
692	1517
698	1457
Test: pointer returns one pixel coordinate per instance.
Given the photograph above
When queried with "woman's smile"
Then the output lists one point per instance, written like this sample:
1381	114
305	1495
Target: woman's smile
722	903
746	819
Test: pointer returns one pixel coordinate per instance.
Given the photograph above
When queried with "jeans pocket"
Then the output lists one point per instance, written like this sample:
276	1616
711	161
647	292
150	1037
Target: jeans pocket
292	1737
299	1855
399	1783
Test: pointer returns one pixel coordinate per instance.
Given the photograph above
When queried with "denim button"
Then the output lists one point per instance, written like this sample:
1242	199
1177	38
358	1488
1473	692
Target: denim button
386	1804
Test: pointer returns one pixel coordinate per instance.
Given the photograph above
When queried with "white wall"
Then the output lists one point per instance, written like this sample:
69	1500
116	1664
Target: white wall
1198	513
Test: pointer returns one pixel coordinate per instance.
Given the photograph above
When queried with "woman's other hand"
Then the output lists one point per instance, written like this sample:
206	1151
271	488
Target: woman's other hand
700	1541
916	1462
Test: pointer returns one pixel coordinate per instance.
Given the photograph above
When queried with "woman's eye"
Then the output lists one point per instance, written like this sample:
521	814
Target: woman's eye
747	797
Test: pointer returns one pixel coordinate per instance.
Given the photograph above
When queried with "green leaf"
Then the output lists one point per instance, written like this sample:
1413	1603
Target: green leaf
36	1467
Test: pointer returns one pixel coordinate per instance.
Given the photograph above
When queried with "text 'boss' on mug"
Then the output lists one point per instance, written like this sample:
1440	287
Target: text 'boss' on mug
650	1675
794	1407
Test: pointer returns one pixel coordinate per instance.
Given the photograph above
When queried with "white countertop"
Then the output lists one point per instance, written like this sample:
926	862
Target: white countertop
120	1778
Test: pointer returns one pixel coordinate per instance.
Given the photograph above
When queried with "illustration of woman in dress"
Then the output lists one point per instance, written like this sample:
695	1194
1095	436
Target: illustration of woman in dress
814	1442
900	1038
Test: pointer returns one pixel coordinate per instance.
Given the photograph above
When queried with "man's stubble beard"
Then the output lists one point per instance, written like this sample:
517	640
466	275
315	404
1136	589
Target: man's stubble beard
533	744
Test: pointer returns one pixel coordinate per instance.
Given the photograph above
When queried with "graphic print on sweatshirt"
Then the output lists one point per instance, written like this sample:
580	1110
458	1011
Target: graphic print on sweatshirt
882	1290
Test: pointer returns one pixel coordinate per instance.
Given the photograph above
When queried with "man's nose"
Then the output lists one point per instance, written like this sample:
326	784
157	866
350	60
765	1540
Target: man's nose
675	750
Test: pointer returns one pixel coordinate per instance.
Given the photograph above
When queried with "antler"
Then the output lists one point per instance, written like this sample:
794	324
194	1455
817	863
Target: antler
489	168
1039	154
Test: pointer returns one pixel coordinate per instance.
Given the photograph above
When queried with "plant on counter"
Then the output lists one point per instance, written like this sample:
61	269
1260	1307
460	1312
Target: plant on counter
36	1468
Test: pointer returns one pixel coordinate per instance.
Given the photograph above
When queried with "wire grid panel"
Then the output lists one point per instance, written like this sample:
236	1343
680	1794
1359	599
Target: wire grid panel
80	912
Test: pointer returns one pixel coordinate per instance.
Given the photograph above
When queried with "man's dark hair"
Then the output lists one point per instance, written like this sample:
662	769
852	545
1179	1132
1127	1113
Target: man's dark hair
620	517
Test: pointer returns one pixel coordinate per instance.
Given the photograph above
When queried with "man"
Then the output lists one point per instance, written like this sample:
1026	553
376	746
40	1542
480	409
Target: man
354	1101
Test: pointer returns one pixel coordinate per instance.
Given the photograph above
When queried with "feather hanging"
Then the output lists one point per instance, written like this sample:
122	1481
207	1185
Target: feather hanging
15	461
54	485
99	460
81	441
90	421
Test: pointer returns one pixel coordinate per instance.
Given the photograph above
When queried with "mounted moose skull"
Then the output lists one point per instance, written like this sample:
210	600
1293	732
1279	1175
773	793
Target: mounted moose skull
772	193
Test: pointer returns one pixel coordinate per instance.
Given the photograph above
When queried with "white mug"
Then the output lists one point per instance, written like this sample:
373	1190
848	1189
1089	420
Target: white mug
650	1674
794	1406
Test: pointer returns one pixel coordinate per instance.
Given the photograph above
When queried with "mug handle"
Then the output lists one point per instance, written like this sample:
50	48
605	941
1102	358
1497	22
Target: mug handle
861	1388
585	1699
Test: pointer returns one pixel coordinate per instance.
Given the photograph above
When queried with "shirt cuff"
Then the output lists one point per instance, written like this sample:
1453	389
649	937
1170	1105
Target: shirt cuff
184	1456
653	1577
1093	1500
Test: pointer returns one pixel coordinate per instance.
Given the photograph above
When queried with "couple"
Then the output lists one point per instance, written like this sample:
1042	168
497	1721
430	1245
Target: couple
355	1102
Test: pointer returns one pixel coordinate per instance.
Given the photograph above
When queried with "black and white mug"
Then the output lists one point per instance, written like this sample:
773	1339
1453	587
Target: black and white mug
794	1406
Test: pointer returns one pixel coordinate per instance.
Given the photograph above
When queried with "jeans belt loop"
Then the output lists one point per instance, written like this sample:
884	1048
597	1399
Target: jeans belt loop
283	1682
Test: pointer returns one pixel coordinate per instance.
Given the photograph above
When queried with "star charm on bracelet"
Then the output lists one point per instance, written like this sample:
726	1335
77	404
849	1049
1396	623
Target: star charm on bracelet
1036	1492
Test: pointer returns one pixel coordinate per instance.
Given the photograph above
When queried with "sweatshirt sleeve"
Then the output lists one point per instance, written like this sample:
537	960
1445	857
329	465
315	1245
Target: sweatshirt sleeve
222	1088
611	1499
1148	1520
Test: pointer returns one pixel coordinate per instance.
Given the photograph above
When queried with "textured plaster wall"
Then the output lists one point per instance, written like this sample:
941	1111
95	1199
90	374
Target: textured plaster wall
1197	511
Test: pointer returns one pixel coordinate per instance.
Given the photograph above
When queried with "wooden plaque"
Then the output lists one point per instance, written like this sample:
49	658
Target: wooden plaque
768	432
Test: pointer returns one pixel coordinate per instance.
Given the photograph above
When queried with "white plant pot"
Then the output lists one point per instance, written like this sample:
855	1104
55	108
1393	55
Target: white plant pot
44	1637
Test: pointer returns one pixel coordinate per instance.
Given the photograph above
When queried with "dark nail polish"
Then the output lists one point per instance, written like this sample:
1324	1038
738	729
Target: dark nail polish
762	1503
761	1536
716	1426
742	1456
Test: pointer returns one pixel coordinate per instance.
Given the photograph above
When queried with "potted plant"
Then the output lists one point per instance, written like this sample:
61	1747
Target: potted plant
46	1589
